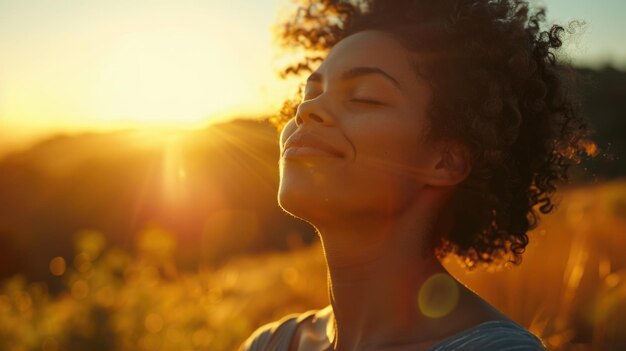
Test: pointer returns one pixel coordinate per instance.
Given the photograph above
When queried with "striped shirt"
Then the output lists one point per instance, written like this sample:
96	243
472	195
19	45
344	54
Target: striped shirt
487	336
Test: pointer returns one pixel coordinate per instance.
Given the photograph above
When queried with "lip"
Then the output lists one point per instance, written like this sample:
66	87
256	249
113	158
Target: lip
306	145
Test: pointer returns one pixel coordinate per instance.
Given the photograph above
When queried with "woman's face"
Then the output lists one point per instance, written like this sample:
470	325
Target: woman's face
355	146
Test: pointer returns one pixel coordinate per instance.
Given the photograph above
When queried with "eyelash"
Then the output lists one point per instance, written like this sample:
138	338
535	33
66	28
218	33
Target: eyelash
367	101
360	101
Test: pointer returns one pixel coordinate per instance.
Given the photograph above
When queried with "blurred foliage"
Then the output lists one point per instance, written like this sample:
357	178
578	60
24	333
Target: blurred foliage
570	290
114	300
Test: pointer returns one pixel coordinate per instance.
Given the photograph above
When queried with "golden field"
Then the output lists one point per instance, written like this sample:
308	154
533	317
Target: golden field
570	289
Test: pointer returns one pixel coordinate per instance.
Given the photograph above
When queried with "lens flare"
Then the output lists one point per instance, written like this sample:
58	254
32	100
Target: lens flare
438	296
57	266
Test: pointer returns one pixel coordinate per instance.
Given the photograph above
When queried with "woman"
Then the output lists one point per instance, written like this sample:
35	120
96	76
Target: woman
430	128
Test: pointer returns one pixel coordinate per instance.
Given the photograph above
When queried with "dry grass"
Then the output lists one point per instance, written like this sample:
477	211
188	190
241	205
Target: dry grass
570	290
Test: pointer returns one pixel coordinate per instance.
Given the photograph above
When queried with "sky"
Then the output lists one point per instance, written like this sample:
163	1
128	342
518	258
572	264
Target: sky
82	65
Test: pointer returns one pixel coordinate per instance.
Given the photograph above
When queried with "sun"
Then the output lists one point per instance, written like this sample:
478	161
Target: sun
141	65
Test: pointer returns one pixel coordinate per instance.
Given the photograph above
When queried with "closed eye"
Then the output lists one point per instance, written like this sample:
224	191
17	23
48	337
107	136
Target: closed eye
367	101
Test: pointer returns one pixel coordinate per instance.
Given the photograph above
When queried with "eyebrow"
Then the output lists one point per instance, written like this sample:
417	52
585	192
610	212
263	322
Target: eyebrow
358	72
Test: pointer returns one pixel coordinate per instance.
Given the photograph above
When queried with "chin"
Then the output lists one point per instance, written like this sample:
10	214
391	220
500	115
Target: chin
305	201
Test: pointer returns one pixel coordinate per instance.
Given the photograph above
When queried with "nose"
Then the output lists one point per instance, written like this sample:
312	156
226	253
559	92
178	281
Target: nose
313	111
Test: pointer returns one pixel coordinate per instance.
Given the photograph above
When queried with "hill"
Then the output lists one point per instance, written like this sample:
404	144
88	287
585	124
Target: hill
214	188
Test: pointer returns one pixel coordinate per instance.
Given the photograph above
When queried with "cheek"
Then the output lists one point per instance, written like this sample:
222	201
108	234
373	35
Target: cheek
389	165
390	150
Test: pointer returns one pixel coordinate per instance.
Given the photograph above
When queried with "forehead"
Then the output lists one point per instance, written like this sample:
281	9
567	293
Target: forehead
370	48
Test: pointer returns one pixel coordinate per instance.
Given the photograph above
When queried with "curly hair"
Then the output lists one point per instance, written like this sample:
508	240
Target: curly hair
498	88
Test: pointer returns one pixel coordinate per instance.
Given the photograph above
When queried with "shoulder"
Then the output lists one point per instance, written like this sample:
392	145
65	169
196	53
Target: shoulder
277	335
492	335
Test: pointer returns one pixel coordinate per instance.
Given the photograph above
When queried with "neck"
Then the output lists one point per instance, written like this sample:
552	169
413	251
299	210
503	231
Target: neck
375	272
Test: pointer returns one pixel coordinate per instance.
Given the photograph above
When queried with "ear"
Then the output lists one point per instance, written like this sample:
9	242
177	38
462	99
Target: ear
452	164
